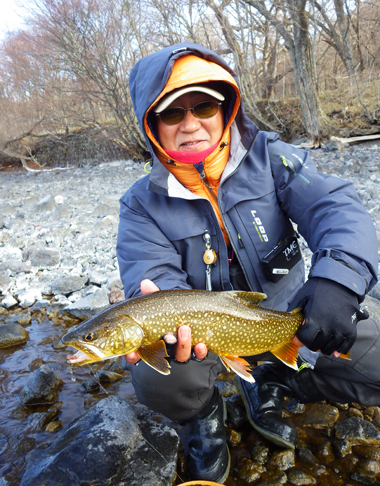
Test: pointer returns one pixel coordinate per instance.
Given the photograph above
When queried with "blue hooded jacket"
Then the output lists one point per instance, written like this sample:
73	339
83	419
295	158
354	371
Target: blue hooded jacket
266	185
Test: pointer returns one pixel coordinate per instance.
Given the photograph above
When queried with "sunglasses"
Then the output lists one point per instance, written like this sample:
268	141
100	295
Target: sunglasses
205	109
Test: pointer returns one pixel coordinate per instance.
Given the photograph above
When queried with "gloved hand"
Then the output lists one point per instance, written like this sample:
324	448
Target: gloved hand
331	313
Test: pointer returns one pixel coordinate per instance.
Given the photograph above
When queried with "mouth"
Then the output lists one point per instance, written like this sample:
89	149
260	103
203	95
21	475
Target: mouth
191	145
78	357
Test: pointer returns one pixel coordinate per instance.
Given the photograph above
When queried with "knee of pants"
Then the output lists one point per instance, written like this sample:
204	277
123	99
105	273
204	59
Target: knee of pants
183	394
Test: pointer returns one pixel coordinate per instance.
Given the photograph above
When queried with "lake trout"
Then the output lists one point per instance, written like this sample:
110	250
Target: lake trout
231	324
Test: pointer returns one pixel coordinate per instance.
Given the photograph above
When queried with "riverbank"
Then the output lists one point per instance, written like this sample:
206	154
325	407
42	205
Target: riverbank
58	250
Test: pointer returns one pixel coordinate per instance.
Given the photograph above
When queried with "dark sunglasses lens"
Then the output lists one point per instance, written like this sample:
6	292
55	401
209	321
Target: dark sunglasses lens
172	116
206	109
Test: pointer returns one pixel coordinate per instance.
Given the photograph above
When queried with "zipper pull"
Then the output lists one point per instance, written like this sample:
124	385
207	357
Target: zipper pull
209	258
202	175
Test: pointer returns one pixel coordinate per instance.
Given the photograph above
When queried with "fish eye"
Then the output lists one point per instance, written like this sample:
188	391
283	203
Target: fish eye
89	337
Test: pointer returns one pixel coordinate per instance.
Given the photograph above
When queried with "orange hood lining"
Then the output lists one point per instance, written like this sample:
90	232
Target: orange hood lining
190	69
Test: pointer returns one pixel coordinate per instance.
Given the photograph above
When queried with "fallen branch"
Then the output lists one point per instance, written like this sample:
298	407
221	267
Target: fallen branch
361	138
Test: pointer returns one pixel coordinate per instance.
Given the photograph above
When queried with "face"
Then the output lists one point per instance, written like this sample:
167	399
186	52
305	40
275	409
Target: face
191	134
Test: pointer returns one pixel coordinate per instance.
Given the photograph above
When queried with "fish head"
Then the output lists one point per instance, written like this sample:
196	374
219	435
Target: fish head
103	337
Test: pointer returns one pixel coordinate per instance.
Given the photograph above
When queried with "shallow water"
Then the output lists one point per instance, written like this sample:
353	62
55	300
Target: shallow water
16	368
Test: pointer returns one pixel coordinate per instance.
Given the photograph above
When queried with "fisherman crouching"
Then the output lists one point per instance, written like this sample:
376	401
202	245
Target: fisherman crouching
215	213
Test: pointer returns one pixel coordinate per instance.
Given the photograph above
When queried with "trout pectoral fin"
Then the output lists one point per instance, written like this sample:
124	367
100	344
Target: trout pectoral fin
239	365
287	353
345	356
154	355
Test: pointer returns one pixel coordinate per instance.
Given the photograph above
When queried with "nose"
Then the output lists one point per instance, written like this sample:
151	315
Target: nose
190	123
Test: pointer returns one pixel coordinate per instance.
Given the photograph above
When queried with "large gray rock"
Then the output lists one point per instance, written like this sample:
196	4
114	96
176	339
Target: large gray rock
107	445
89	306
12	334
67	285
41	388
45	257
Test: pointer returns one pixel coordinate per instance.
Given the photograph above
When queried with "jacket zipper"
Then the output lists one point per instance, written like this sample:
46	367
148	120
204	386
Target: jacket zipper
224	222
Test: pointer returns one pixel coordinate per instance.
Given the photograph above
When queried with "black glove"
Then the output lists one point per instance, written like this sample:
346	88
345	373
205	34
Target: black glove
331	314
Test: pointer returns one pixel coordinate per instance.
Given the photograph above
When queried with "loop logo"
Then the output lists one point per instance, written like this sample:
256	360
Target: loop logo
259	227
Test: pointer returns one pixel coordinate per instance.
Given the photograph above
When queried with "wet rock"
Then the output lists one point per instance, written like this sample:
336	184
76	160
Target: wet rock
69	284
12	335
225	389
233	437
120	449
91	386
357	431
42	387
89	306
54	426
273	478
260	454
364	477
299	478
306	456
24	319
320	416
343	447
250	471
368	452
236	414
372	414
39	420
25	445
295	407
45	258
282	460
107	376
325	453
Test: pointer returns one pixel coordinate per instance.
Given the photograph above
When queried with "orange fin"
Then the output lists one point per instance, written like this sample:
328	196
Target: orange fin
287	353
239	365
154	355
346	356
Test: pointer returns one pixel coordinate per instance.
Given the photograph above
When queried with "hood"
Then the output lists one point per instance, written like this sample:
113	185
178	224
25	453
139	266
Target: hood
150	76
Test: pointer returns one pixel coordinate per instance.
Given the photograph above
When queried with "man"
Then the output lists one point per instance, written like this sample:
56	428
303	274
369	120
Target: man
216	213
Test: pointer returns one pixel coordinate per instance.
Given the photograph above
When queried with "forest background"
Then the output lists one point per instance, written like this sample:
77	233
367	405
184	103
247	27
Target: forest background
307	68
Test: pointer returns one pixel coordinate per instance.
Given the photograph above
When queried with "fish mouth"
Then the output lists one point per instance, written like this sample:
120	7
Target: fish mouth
78	357
85	355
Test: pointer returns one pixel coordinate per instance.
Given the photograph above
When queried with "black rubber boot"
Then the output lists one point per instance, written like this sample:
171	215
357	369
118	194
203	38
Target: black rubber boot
208	455
264	399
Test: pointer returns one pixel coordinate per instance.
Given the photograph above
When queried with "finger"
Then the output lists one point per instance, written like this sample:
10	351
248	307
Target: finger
147	287
132	358
183	348
200	350
170	342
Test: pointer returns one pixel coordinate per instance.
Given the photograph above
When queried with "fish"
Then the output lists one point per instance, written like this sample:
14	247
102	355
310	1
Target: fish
230	323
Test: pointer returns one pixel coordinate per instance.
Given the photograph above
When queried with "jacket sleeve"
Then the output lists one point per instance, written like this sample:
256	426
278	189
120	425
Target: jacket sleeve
143	251
330	216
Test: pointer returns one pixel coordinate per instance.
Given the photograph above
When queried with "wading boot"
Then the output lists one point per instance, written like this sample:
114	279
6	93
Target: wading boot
208	455
264	399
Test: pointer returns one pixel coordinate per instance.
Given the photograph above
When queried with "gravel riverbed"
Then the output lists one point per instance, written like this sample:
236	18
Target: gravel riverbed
58	234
